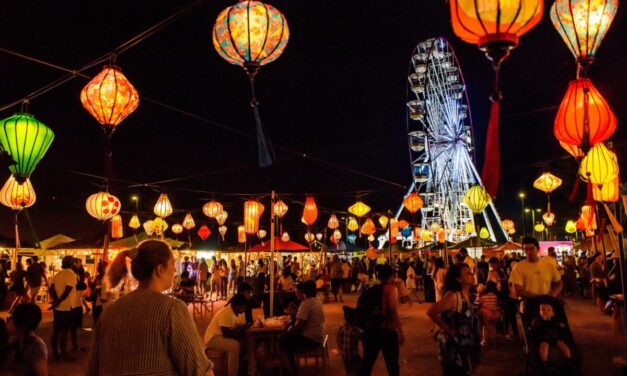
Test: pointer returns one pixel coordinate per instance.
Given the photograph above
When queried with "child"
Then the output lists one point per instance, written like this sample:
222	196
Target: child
411	283
549	333
490	312
348	337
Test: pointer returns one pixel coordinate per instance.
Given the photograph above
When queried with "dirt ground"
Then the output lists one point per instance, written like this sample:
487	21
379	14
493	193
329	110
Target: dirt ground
593	333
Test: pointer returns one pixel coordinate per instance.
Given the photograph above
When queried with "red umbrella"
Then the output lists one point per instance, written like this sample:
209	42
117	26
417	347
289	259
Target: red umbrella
279	246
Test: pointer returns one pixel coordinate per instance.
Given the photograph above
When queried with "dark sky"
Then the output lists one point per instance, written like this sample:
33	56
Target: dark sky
337	94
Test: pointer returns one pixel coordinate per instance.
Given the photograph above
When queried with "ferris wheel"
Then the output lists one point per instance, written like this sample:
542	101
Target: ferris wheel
441	142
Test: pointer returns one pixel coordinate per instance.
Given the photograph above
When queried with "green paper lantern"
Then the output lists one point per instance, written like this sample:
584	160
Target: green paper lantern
26	140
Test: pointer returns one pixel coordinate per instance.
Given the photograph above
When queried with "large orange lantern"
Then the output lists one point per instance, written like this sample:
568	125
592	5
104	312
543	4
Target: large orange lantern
116	227
103	206
413	202
599	166
280	208
110	98
252	213
310	211
583	118
163	207
212	208
359	209
17	196
188	222
368	228
333	222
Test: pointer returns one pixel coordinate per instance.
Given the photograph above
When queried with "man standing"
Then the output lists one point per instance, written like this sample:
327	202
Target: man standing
203	275
241	270
62	291
531	278
336	277
34	275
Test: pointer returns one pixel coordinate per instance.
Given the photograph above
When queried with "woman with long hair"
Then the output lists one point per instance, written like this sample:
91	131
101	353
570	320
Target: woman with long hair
439	274
154	332
224	278
232	277
459	336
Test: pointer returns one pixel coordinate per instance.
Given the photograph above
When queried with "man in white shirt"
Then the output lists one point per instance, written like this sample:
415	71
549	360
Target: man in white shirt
225	331
62	296
531	278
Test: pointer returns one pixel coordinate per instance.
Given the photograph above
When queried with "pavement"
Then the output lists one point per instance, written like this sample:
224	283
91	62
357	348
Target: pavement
594	335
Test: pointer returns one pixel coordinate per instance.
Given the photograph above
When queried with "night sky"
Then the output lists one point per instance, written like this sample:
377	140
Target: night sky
336	95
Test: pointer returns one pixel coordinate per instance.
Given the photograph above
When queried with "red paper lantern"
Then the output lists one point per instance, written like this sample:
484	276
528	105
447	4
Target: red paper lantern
310	211
204	232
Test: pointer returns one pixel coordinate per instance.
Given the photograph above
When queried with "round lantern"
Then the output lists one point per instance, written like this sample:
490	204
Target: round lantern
548	218
309	237
177	228
241	234
599	165
383	221
368	228
310	211
261	234
571	227
188	222
26	140
319	236
134	222
583	118
609	192
484	233
17	196
413	202
573	150
477	199
337	235
252	212
212	208
148	227
280	208
110	97
116	227
222	231
547	182
333	222
352	224
204	232
359	209
285	237
163	207
539	227
221	217
469	227
583	24
103	205
507	224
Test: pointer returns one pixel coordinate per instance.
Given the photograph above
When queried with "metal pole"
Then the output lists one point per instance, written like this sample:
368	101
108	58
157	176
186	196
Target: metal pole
522	213
272	217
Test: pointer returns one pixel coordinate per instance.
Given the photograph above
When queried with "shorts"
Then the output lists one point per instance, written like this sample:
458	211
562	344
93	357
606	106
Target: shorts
77	317
62	320
336	283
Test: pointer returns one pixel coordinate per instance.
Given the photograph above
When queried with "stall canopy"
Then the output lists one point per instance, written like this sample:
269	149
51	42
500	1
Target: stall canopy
435	246
131	241
279	246
92	242
344	247
54	241
506	247
474	242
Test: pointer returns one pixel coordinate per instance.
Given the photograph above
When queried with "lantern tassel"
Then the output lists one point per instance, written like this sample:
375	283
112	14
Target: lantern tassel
491	171
573	193
590	195
263	154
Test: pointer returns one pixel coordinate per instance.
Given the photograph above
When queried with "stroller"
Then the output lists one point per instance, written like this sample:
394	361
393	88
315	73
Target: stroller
535	332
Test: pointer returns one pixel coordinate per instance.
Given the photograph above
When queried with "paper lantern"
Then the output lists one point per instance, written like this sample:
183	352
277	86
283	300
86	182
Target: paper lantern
352	238
571	227
477	199
241	234
222	231
539	227
188	222
134	222
583	24
609	192
252	212
177	228
116	227
163	207
426	236
359	209
371	253
403	224
221	217
547	182
352	224
484	233
435	227
319	236
310	211
469	227
261	234
148	227
548	218
26	140
285	237
583	118
103	205
368	228
406	232
600	165
17	196
159	225
580	224
337	235
413	202
280	208
441	236
589	217
370	238
417	233
333	222
212	208
383	221
511	231
507	224
309	237
204	232
573	150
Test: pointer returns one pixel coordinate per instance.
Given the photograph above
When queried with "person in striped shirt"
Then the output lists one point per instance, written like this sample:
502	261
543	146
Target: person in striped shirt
490	313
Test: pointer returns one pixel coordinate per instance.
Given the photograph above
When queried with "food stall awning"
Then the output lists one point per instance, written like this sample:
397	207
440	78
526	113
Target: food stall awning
474	242
132	241
55	240
279	246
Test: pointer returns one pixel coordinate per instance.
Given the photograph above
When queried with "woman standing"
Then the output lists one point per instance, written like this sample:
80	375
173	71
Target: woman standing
17	278
598	279
155	333
439	276
224	278
459	338
215	279
232	276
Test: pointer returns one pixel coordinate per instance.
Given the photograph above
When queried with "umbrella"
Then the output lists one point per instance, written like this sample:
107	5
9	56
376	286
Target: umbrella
474	242
279	246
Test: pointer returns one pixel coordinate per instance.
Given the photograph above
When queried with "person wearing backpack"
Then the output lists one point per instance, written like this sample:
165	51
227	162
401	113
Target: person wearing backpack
377	310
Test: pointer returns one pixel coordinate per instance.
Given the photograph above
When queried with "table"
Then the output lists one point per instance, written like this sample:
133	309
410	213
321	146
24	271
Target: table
282	299
254	334
201	306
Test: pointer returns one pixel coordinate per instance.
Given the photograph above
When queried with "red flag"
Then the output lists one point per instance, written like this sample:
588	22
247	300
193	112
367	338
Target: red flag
490	174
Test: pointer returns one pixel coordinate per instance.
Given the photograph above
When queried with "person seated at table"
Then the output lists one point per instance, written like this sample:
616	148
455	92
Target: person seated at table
246	290
186	286
323	285
292	308
225	332
307	333
286	282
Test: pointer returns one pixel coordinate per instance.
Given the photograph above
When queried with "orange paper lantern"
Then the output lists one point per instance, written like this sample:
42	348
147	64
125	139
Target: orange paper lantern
212	208
280	208
413	202
116	227
368	228
252	212
333	222
241	234
310	211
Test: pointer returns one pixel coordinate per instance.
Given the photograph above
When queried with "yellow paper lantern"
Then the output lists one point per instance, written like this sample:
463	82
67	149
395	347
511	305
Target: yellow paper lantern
337	235
188	222
159	225
548	218
212	208
359	209
134	222
370	238
413	202
177	228
163	207
539	227
319	236
477	199
484	233
280	208
17	196
103	206
222	231
310	211
469	227
383	221
608	192
116	227
547	182
148	227
221	217
368	228
600	165
241	234
426	236
571	227
252	212
352	224
333	222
